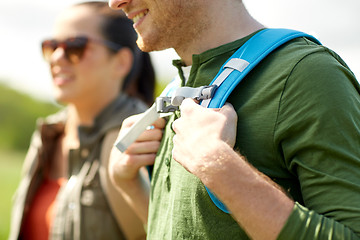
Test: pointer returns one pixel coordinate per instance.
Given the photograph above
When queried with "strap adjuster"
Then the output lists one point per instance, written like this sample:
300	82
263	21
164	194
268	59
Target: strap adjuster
171	104
163	105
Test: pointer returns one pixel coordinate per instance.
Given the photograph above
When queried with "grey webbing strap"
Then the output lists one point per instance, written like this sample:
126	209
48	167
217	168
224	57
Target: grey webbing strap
161	108
166	104
237	64
233	64
199	93
147	118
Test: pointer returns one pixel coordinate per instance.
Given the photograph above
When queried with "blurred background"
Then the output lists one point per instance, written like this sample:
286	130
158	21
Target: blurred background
25	82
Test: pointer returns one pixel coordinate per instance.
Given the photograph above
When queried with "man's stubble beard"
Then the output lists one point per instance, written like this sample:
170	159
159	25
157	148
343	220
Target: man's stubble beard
178	41
172	32
153	42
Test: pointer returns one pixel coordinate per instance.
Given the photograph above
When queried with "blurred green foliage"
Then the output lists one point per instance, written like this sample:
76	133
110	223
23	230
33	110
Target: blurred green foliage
10	167
18	114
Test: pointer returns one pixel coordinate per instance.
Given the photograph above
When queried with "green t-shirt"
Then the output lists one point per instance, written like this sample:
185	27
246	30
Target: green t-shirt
299	123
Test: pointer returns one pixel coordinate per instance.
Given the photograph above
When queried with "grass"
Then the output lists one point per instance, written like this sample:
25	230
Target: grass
10	167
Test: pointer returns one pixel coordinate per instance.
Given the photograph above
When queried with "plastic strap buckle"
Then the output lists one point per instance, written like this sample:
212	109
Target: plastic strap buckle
171	104
163	105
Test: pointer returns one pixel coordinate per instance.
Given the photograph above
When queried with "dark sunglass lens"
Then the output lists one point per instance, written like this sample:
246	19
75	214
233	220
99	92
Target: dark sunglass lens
48	47
75	48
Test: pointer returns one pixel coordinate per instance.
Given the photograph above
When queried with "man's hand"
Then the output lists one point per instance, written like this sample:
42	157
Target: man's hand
198	131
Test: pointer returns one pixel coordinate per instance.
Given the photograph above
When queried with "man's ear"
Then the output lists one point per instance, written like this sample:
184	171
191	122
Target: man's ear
124	59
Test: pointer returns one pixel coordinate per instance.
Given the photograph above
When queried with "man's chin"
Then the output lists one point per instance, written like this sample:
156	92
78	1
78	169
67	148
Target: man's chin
147	46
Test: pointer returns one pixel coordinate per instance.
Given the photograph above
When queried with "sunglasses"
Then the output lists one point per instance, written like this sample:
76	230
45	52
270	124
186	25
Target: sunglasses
73	47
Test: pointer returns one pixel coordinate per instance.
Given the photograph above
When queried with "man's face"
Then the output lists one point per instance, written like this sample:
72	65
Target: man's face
163	24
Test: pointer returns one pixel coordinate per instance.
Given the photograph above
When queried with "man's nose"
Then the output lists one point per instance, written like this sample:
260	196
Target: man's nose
118	4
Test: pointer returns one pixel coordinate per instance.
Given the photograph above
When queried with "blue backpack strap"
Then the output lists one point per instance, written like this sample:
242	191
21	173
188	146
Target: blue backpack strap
240	64
248	56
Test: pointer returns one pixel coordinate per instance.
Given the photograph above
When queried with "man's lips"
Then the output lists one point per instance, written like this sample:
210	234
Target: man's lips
137	16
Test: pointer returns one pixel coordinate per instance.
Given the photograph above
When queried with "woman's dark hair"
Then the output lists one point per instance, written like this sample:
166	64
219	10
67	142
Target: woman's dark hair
117	28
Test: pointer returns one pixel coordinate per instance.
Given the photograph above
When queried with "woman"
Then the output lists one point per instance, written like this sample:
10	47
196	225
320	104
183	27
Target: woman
100	74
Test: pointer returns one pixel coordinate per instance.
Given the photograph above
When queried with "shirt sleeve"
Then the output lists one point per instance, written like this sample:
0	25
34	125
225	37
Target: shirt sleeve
318	129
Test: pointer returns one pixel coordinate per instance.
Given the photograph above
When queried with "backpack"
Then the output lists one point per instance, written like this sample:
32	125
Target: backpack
215	95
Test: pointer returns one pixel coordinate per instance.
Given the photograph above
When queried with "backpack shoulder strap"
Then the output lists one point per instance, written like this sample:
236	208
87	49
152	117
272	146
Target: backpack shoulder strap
241	63
246	58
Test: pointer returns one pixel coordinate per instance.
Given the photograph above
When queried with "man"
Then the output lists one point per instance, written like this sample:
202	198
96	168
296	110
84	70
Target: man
284	156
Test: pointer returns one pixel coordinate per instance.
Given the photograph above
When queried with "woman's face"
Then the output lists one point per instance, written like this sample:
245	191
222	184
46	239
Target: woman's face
93	77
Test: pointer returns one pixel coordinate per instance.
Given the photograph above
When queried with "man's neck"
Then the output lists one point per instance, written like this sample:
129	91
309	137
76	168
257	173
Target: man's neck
230	24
